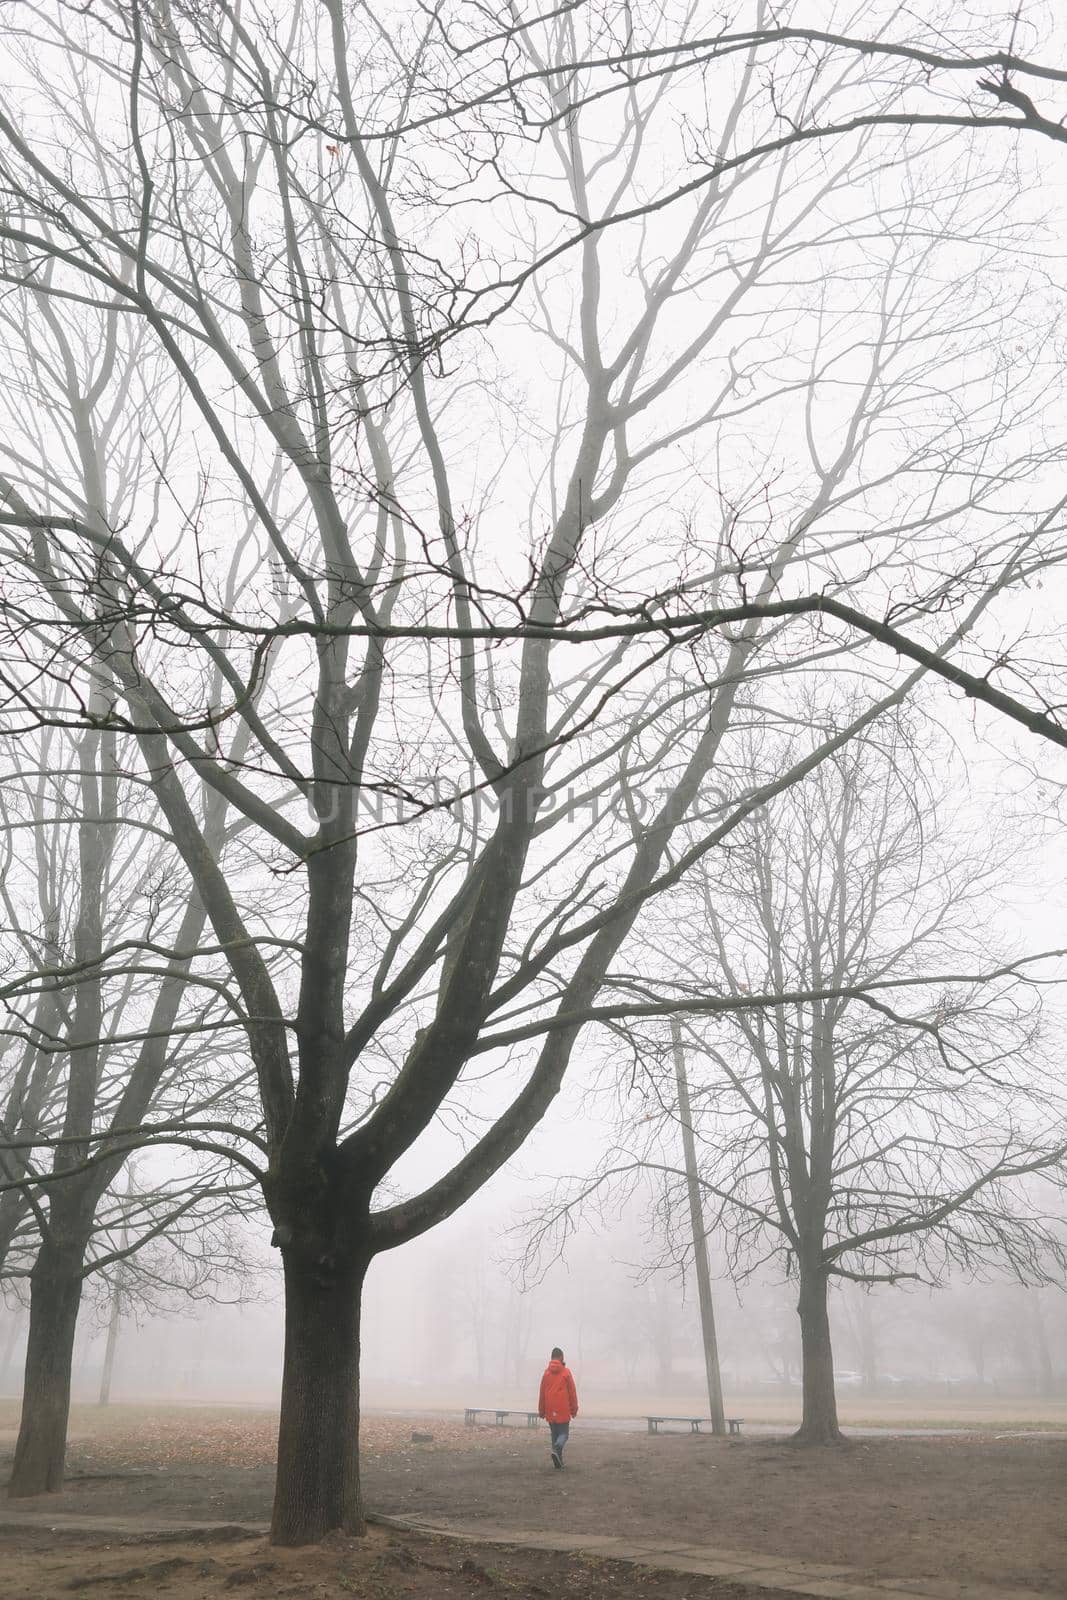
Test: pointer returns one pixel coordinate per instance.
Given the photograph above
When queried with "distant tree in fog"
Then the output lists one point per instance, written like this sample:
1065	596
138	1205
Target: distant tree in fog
998	1331
103	1040
115	1017
852	1133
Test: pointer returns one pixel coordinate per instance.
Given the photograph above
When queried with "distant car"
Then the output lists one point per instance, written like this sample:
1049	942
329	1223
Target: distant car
848	1380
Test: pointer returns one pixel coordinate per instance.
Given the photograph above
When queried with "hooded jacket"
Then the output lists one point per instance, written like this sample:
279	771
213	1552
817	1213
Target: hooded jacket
558	1400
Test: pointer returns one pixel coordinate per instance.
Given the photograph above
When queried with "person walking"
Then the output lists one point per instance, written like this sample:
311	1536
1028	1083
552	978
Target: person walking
558	1402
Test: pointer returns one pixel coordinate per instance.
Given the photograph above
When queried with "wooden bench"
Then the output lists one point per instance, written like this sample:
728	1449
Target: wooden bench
694	1422
733	1423
472	1413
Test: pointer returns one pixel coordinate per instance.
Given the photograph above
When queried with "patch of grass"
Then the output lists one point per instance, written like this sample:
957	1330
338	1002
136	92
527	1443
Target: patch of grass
894	1424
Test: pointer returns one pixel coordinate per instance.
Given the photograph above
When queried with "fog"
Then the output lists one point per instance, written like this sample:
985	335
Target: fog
533	757
448	1324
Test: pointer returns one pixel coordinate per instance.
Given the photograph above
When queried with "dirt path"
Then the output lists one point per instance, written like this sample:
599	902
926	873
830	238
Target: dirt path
390	1564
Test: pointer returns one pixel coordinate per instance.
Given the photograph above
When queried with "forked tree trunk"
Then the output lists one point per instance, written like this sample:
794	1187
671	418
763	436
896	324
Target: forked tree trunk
55	1298
317	1490
819	1421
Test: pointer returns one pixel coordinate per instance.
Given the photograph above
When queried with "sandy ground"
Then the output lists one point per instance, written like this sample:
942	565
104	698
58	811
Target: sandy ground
982	1508
385	1566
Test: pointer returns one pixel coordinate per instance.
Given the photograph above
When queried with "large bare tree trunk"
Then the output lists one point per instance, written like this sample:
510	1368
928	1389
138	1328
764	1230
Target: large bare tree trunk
55	1298
819	1421
317	1489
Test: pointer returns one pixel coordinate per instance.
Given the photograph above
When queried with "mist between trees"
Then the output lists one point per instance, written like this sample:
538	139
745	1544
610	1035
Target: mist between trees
838	1136
638	426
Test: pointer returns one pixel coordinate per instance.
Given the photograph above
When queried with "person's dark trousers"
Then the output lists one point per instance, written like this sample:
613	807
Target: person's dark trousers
560	1433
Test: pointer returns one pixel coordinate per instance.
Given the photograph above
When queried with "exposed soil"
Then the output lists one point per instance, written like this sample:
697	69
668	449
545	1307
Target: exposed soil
384	1566
970	1508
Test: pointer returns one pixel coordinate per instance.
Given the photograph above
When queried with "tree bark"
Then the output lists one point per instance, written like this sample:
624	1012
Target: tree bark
317	1489
55	1299
819	1421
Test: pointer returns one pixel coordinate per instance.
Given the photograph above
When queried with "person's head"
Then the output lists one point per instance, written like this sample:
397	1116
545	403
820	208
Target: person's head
557	1353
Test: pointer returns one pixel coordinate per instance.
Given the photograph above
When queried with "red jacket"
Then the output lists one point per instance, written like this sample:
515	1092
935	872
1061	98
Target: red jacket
558	1400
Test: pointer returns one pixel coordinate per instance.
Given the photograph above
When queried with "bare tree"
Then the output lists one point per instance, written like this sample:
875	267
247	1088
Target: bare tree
101	1046
399	703
850	1137
112	1022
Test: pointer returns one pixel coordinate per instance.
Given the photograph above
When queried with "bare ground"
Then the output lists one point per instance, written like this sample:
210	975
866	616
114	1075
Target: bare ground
384	1566
988	1509
979	1508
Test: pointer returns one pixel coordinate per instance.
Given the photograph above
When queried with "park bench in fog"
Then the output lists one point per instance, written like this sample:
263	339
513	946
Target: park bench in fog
734	1423
472	1413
